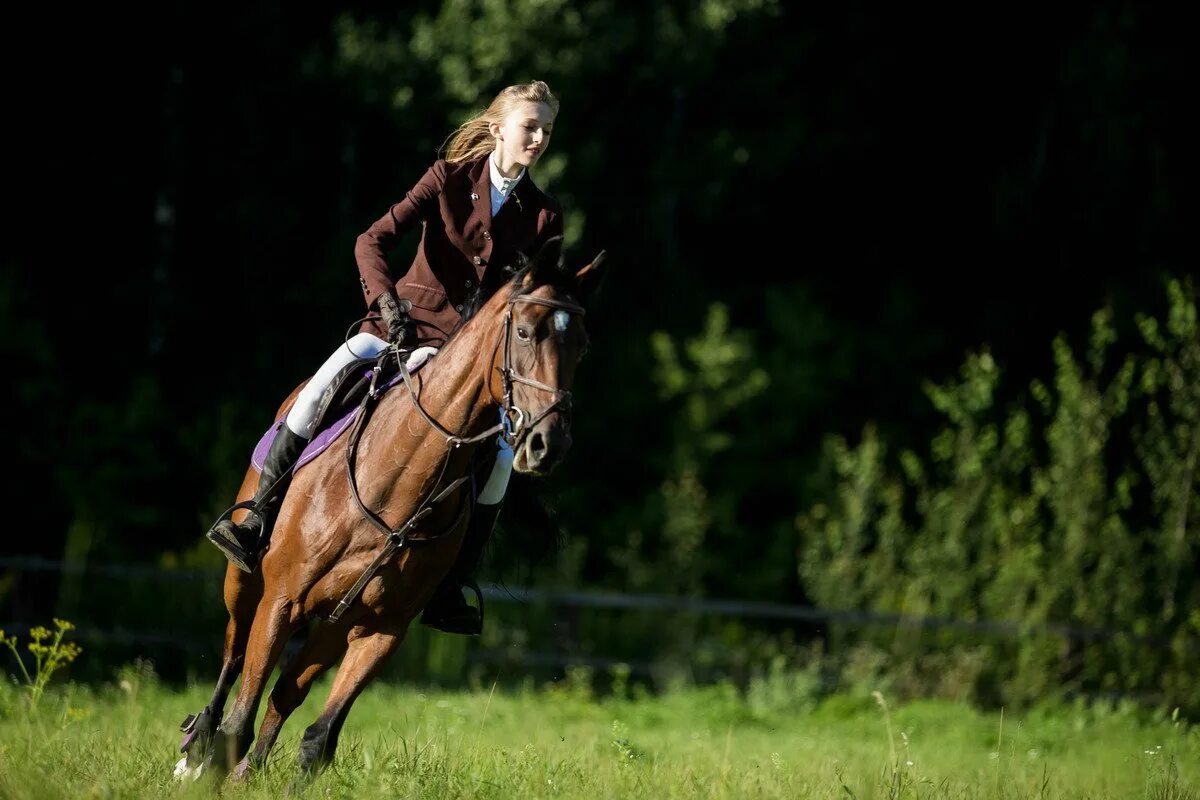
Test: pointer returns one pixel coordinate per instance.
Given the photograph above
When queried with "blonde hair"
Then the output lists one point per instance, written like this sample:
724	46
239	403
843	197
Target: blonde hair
473	139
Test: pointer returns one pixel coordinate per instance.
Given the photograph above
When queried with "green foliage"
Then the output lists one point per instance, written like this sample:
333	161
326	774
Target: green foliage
703	382
50	655
711	375
779	690
1029	517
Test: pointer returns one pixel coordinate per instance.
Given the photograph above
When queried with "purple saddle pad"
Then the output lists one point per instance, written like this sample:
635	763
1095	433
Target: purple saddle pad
324	437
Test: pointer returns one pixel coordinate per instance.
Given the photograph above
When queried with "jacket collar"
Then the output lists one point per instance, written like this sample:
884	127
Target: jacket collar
502	184
526	196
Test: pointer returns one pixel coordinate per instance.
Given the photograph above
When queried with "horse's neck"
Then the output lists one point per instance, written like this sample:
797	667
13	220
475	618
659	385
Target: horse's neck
454	392
454	387
402	455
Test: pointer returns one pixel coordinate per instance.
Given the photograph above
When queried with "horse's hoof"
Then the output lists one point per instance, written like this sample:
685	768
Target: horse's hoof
184	772
242	771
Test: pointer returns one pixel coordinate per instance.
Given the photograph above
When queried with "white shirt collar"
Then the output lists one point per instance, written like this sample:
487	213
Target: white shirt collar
503	185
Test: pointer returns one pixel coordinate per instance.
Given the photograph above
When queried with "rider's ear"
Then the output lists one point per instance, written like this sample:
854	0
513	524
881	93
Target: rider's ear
589	277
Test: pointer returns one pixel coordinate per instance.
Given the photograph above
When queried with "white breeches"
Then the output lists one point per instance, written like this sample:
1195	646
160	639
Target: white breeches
302	417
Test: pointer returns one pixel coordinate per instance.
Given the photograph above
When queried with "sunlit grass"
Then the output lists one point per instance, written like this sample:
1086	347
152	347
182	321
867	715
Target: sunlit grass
400	741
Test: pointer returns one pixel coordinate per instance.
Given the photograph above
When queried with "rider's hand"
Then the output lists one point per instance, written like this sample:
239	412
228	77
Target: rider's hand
395	316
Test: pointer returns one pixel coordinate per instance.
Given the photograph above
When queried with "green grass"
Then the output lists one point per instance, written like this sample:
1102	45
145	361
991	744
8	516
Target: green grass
402	741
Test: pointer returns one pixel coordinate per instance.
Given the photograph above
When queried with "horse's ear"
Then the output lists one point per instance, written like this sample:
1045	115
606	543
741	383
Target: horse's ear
550	255
588	277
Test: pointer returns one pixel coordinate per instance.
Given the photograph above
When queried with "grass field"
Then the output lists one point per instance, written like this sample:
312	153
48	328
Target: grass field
400	741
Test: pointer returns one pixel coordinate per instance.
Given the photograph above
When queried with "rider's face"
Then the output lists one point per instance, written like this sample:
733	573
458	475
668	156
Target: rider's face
524	134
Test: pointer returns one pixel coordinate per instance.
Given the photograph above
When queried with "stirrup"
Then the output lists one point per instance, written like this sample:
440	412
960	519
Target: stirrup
236	554
227	542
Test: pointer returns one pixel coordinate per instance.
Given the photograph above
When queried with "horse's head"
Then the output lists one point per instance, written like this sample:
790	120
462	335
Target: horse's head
540	346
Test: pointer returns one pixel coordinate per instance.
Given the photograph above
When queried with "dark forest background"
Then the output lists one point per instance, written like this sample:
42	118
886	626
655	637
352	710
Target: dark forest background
813	216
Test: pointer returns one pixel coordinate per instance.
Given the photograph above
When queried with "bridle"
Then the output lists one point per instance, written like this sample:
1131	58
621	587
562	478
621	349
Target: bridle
515	420
561	397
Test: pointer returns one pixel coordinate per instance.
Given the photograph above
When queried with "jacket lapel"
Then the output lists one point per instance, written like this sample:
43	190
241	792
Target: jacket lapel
524	199
481	191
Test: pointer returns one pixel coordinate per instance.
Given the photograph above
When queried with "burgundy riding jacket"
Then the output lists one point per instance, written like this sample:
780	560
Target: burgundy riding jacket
463	248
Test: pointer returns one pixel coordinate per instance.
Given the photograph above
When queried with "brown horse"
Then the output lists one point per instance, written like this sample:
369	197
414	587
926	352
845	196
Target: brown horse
519	353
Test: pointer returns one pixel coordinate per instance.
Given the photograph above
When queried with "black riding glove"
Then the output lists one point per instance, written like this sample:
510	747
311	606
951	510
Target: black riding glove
395	316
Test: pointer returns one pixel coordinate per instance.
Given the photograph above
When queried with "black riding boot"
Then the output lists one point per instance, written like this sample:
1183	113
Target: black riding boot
241	543
448	609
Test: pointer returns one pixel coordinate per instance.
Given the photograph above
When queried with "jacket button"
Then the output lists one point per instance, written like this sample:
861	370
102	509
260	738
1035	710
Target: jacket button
477	260
468	283
458	308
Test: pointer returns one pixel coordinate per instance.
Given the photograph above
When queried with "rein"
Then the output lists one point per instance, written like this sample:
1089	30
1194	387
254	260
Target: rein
398	537
509	376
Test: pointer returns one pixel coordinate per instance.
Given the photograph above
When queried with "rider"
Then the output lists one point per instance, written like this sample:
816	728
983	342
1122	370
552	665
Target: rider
478	207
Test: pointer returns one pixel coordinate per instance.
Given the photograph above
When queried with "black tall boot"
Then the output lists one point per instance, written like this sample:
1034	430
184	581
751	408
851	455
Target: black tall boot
448	609
241	543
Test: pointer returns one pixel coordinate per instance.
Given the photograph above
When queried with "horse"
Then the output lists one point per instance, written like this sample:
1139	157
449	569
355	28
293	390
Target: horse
327	562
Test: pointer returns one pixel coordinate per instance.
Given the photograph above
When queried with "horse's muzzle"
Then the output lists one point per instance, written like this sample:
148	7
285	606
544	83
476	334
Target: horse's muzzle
542	448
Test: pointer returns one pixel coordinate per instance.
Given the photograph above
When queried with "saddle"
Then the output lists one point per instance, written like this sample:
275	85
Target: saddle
349	387
340	402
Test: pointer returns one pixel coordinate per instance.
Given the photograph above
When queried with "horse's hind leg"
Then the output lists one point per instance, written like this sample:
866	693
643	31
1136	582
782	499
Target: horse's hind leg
270	631
324	648
242	593
364	657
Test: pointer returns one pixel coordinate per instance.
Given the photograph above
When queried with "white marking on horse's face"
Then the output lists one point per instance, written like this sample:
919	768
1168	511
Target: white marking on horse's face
561	320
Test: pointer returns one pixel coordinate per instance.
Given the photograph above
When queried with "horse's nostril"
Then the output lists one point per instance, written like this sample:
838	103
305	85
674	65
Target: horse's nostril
537	445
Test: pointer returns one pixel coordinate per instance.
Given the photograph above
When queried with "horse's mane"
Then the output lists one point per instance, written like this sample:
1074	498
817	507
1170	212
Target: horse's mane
555	274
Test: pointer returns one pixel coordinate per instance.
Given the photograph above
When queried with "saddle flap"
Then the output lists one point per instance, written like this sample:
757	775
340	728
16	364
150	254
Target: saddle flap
339	403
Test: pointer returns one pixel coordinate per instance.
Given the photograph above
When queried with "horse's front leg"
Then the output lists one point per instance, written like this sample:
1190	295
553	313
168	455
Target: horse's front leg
324	647
364	657
271	630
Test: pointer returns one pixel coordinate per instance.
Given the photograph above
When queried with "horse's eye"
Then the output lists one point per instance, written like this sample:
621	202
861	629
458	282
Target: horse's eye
523	333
